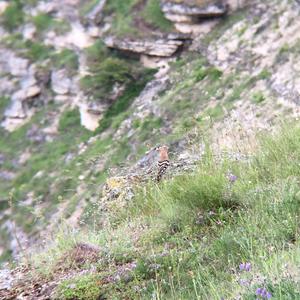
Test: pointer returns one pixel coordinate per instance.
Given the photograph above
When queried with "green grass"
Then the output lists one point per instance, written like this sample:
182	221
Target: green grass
33	50
81	288
128	16
148	127
110	72
45	22
67	59
47	157
13	16
87	6
155	17
95	54
37	51
122	16
195	229
258	97
42	22
123	103
211	72
4	102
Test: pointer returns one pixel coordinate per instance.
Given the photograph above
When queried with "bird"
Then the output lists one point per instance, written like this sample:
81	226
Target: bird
163	161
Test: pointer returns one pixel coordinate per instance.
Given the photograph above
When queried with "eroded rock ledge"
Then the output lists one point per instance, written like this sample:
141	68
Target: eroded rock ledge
162	47
195	8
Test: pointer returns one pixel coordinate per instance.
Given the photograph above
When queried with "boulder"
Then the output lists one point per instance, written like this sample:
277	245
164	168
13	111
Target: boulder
161	47
33	91
29	31
194	8
28	81
60	82
16	108
17	66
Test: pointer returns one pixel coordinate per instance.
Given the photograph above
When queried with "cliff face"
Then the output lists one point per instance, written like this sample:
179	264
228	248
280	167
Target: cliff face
89	88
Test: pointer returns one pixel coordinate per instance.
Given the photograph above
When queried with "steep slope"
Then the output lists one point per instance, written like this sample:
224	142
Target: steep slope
84	95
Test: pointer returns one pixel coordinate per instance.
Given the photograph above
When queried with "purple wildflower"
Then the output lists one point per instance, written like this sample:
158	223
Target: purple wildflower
245	267
263	293
244	282
258	291
232	178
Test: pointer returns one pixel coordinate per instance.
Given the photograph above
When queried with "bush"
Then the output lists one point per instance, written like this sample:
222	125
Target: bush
36	51
108	73
13	16
154	15
80	288
67	59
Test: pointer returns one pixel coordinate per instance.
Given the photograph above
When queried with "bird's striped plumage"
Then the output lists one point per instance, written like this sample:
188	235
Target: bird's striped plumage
163	162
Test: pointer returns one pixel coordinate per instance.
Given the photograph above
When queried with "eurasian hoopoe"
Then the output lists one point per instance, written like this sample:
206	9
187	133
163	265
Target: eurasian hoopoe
163	161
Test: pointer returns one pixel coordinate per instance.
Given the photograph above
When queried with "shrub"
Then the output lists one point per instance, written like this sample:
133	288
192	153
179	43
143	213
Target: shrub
154	15
36	51
67	59
258	97
81	288
13	16
106	75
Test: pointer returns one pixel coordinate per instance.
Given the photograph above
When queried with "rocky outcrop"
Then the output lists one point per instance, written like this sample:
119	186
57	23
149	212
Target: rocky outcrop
160	47
199	9
60	82
21	85
95	15
193	16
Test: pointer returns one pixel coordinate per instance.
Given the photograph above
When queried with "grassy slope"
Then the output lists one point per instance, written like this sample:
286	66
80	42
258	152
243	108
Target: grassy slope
189	236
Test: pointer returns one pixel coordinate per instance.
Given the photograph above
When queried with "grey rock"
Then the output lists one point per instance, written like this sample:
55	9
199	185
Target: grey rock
17	66
95	15
60	82
16	108
29	31
7	85
28	81
160	47
193	8
33	92
6	279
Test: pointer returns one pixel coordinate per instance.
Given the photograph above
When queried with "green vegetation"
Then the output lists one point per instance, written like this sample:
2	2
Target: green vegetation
202	72
95	54
107	71
81	288
216	112
258	97
197	231
67	59
33	50
110	72
4	101
117	108
44	22
87	6
122	12
149	125
155	17
13	16
37	51
133	17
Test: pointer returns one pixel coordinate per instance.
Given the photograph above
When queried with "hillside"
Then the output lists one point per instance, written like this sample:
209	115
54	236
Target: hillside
89	89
